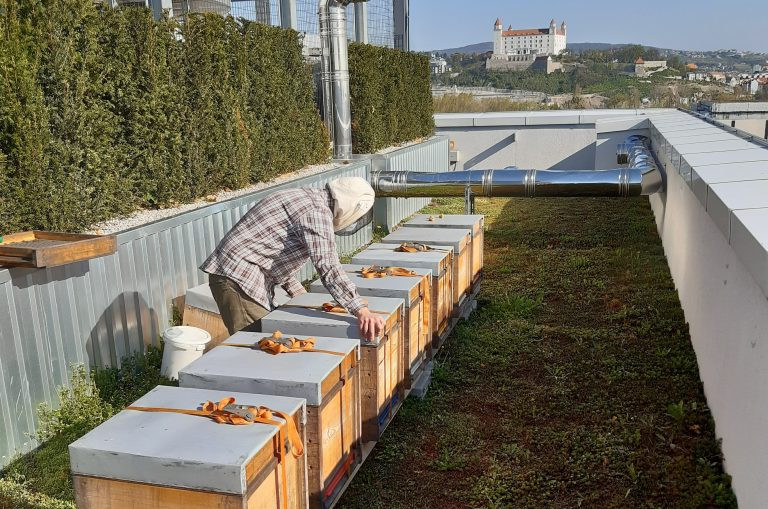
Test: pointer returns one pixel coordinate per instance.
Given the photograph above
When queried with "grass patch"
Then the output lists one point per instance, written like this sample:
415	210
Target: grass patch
41	478
573	384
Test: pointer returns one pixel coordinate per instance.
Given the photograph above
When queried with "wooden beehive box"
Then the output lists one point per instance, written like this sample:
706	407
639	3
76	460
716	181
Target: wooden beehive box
330	384
168	460
50	249
201	311
457	239
473	222
381	369
438	262
416	292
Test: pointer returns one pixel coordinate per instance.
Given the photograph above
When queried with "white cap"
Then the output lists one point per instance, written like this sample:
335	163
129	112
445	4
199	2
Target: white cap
353	198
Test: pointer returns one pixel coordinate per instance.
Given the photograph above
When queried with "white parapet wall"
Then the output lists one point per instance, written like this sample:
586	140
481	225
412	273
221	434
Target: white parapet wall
558	140
713	222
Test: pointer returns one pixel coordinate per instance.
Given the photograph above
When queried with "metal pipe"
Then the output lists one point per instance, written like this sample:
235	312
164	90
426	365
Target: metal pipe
636	153
509	182
334	75
642	177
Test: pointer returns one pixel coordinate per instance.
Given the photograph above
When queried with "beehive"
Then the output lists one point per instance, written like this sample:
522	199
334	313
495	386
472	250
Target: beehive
201	311
330	384
381	369
438	262
416	292
169	460
457	239
473	222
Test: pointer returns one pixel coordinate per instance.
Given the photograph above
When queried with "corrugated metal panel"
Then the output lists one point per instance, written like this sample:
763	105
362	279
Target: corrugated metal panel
99	311
430	156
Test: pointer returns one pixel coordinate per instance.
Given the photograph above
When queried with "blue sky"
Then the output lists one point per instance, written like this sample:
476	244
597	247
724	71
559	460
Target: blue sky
679	24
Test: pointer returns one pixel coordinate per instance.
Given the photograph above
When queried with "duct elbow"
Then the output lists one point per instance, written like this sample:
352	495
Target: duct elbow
636	153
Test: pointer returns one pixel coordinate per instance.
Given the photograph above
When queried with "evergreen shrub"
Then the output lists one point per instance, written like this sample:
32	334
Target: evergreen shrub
103	111
391	97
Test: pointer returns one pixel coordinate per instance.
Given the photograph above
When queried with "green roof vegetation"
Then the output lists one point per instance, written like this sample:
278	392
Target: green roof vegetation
573	384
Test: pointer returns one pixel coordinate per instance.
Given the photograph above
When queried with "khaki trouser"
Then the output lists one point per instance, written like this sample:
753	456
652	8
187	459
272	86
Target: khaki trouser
238	311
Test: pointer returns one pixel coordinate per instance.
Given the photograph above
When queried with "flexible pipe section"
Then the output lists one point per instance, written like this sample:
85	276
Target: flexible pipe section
334	75
642	177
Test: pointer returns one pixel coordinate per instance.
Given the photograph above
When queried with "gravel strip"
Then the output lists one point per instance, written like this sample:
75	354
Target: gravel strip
144	216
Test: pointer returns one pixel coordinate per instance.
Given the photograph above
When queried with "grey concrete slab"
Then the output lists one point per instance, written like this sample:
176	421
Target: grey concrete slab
399	287
385	254
726	197
732	156
749	238
456	238
293	318
298	375
703	176
171	449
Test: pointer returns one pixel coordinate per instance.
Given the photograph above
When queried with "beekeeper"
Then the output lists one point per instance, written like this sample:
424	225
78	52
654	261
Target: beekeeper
276	238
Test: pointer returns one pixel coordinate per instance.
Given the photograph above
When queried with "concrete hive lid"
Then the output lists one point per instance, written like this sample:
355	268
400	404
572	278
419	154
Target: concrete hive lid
447	221
385	254
457	238
294	319
298	375
183	451
391	287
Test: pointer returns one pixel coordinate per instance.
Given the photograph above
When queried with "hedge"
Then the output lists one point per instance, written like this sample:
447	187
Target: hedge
103	111
391	97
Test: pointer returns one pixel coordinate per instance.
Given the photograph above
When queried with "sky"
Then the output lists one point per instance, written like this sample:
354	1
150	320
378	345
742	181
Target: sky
676	24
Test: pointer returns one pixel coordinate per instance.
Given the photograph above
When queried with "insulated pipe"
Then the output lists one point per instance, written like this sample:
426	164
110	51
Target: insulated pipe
642	177
334	75
636	152
509	182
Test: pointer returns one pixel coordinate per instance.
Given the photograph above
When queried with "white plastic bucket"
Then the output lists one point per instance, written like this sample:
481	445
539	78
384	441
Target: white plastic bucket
183	344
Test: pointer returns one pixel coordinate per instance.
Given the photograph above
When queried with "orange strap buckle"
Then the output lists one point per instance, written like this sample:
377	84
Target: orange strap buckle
376	271
277	344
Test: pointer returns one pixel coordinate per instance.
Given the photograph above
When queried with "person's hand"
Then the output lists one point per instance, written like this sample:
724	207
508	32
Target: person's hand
371	324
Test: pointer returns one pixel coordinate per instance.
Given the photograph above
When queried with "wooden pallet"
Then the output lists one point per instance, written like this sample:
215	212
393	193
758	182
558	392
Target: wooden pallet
39	249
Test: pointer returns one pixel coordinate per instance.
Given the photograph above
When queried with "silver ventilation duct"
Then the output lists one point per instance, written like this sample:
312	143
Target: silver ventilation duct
334	75
642	177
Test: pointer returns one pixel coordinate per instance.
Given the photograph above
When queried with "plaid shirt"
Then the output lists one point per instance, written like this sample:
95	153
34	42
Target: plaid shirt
275	239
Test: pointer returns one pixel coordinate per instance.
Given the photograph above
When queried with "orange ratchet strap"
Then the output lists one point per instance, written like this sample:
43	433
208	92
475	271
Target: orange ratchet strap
277	344
377	271
416	247
330	307
431	219
227	412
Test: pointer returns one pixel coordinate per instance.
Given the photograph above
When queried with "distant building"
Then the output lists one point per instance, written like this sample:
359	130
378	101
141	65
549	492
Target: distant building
648	67
438	65
718	76
691	67
528	41
757	68
696	76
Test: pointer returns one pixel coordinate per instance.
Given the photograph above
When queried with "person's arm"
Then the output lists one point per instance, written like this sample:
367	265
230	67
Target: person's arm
317	233
293	288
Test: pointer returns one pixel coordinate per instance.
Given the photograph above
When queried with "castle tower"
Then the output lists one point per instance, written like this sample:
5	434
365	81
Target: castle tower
498	42
552	26
563	27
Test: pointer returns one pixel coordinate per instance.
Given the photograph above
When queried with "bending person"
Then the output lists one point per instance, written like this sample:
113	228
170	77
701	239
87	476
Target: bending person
269	245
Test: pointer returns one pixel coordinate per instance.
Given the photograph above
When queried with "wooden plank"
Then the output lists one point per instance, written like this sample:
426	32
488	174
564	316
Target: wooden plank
49	249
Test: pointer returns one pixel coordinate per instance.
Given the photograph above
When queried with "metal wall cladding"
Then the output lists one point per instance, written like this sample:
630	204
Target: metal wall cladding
99	311
430	156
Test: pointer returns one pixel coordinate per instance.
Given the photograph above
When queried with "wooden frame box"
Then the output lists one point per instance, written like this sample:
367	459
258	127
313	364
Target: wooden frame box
330	384
50	249
474	222
169	460
416	292
201	311
381	369
457	239
439	262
